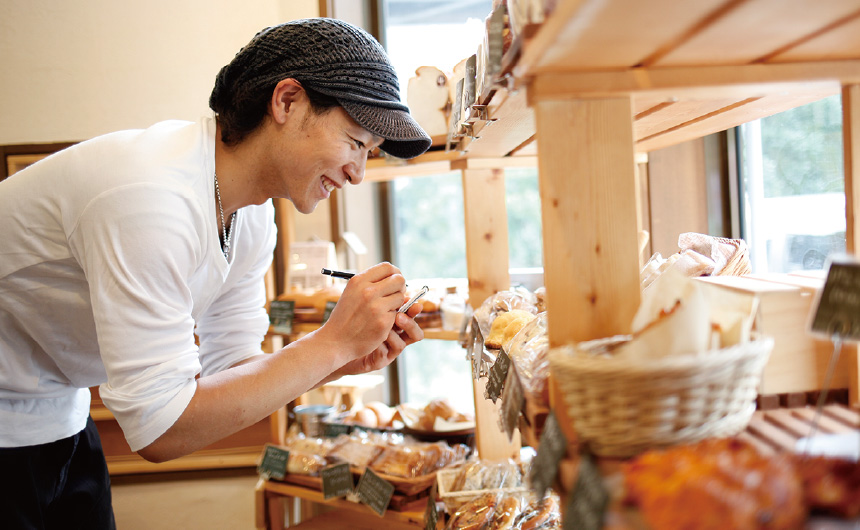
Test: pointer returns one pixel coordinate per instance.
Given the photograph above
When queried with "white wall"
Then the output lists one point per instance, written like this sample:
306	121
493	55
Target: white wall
74	69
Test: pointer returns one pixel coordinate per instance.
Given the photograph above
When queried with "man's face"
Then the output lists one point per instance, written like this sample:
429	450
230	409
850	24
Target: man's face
323	152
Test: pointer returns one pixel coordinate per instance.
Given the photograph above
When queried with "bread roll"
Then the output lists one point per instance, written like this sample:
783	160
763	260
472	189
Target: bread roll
384	413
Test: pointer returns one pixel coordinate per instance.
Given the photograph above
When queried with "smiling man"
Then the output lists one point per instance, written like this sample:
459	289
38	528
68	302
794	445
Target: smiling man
117	251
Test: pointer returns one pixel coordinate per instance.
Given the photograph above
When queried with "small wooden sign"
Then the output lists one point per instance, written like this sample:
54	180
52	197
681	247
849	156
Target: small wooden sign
586	506
552	448
838	310
431	513
281	313
374	491
273	465
497	375
329	307
513	400
336	481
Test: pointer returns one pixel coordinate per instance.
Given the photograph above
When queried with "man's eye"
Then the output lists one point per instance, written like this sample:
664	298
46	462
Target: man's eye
359	144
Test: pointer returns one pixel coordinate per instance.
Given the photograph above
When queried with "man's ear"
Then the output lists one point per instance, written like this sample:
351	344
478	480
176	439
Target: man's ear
284	96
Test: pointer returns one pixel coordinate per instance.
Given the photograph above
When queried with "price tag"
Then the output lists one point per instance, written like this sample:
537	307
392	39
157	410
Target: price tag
281	313
495	41
469	82
512	402
273	465
333	430
374	491
497	375
587	503
329	307
838	311
336	481
431	514
552	448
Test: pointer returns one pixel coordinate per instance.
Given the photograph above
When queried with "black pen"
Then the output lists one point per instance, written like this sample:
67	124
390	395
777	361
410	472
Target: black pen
338	274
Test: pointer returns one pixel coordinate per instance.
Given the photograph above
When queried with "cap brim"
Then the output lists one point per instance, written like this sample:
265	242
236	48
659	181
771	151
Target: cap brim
402	135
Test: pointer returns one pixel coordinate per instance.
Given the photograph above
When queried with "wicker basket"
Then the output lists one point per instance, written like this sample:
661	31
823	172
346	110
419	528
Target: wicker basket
622	407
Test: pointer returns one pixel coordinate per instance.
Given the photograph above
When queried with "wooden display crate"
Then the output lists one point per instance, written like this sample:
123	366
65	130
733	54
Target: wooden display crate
799	361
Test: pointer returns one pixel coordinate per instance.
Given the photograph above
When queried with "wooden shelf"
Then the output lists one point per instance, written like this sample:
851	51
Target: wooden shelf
689	68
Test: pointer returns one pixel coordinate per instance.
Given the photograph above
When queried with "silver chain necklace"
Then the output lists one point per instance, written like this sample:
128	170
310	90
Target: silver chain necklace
225	234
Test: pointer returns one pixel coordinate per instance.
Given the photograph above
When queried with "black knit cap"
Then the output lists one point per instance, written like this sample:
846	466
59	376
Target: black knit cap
335	59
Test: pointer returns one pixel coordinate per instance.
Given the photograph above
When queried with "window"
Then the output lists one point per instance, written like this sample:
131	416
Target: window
792	184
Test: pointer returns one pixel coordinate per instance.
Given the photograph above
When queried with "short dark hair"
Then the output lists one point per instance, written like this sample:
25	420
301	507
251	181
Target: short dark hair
239	117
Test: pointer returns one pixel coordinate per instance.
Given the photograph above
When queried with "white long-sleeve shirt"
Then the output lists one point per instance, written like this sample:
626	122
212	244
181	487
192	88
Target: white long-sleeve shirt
110	262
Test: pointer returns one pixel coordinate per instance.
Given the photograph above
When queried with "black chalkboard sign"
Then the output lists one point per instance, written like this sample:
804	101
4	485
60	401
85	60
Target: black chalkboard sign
497	375
512	402
586	506
374	491
333	430
431	513
273	465
329	307
552	448
336	481
838	311
281	313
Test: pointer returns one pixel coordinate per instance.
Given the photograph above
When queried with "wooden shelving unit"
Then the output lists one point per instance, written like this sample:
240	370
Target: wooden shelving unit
601	81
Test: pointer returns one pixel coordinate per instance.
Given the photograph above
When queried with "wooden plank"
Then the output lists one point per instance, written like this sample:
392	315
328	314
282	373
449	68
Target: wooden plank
486	223
826	424
677	194
610	34
840	42
847	416
729	116
513	125
771	434
702	82
785	420
588	191
755	29
762	446
675	113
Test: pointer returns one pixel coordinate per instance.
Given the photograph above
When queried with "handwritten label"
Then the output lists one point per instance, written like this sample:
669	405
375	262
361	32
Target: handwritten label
838	311
512	402
470	78
273	465
552	448
586	506
281	313
374	491
329	307
495	41
497	375
431	513
333	430
336	481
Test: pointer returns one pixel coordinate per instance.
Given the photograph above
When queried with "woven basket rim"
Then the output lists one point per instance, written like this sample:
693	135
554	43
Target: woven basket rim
562	357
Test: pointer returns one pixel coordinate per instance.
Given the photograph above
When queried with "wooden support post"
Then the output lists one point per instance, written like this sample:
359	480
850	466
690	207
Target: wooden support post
487	261
851	150
588	195
486	222
285	219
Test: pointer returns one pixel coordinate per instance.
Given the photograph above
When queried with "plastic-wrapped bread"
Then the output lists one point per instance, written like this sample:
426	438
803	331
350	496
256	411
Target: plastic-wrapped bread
475	514
529	351
358	452
506	325
302	463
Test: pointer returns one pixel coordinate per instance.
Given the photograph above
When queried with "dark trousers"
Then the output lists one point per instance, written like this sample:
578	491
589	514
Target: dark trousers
62	484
